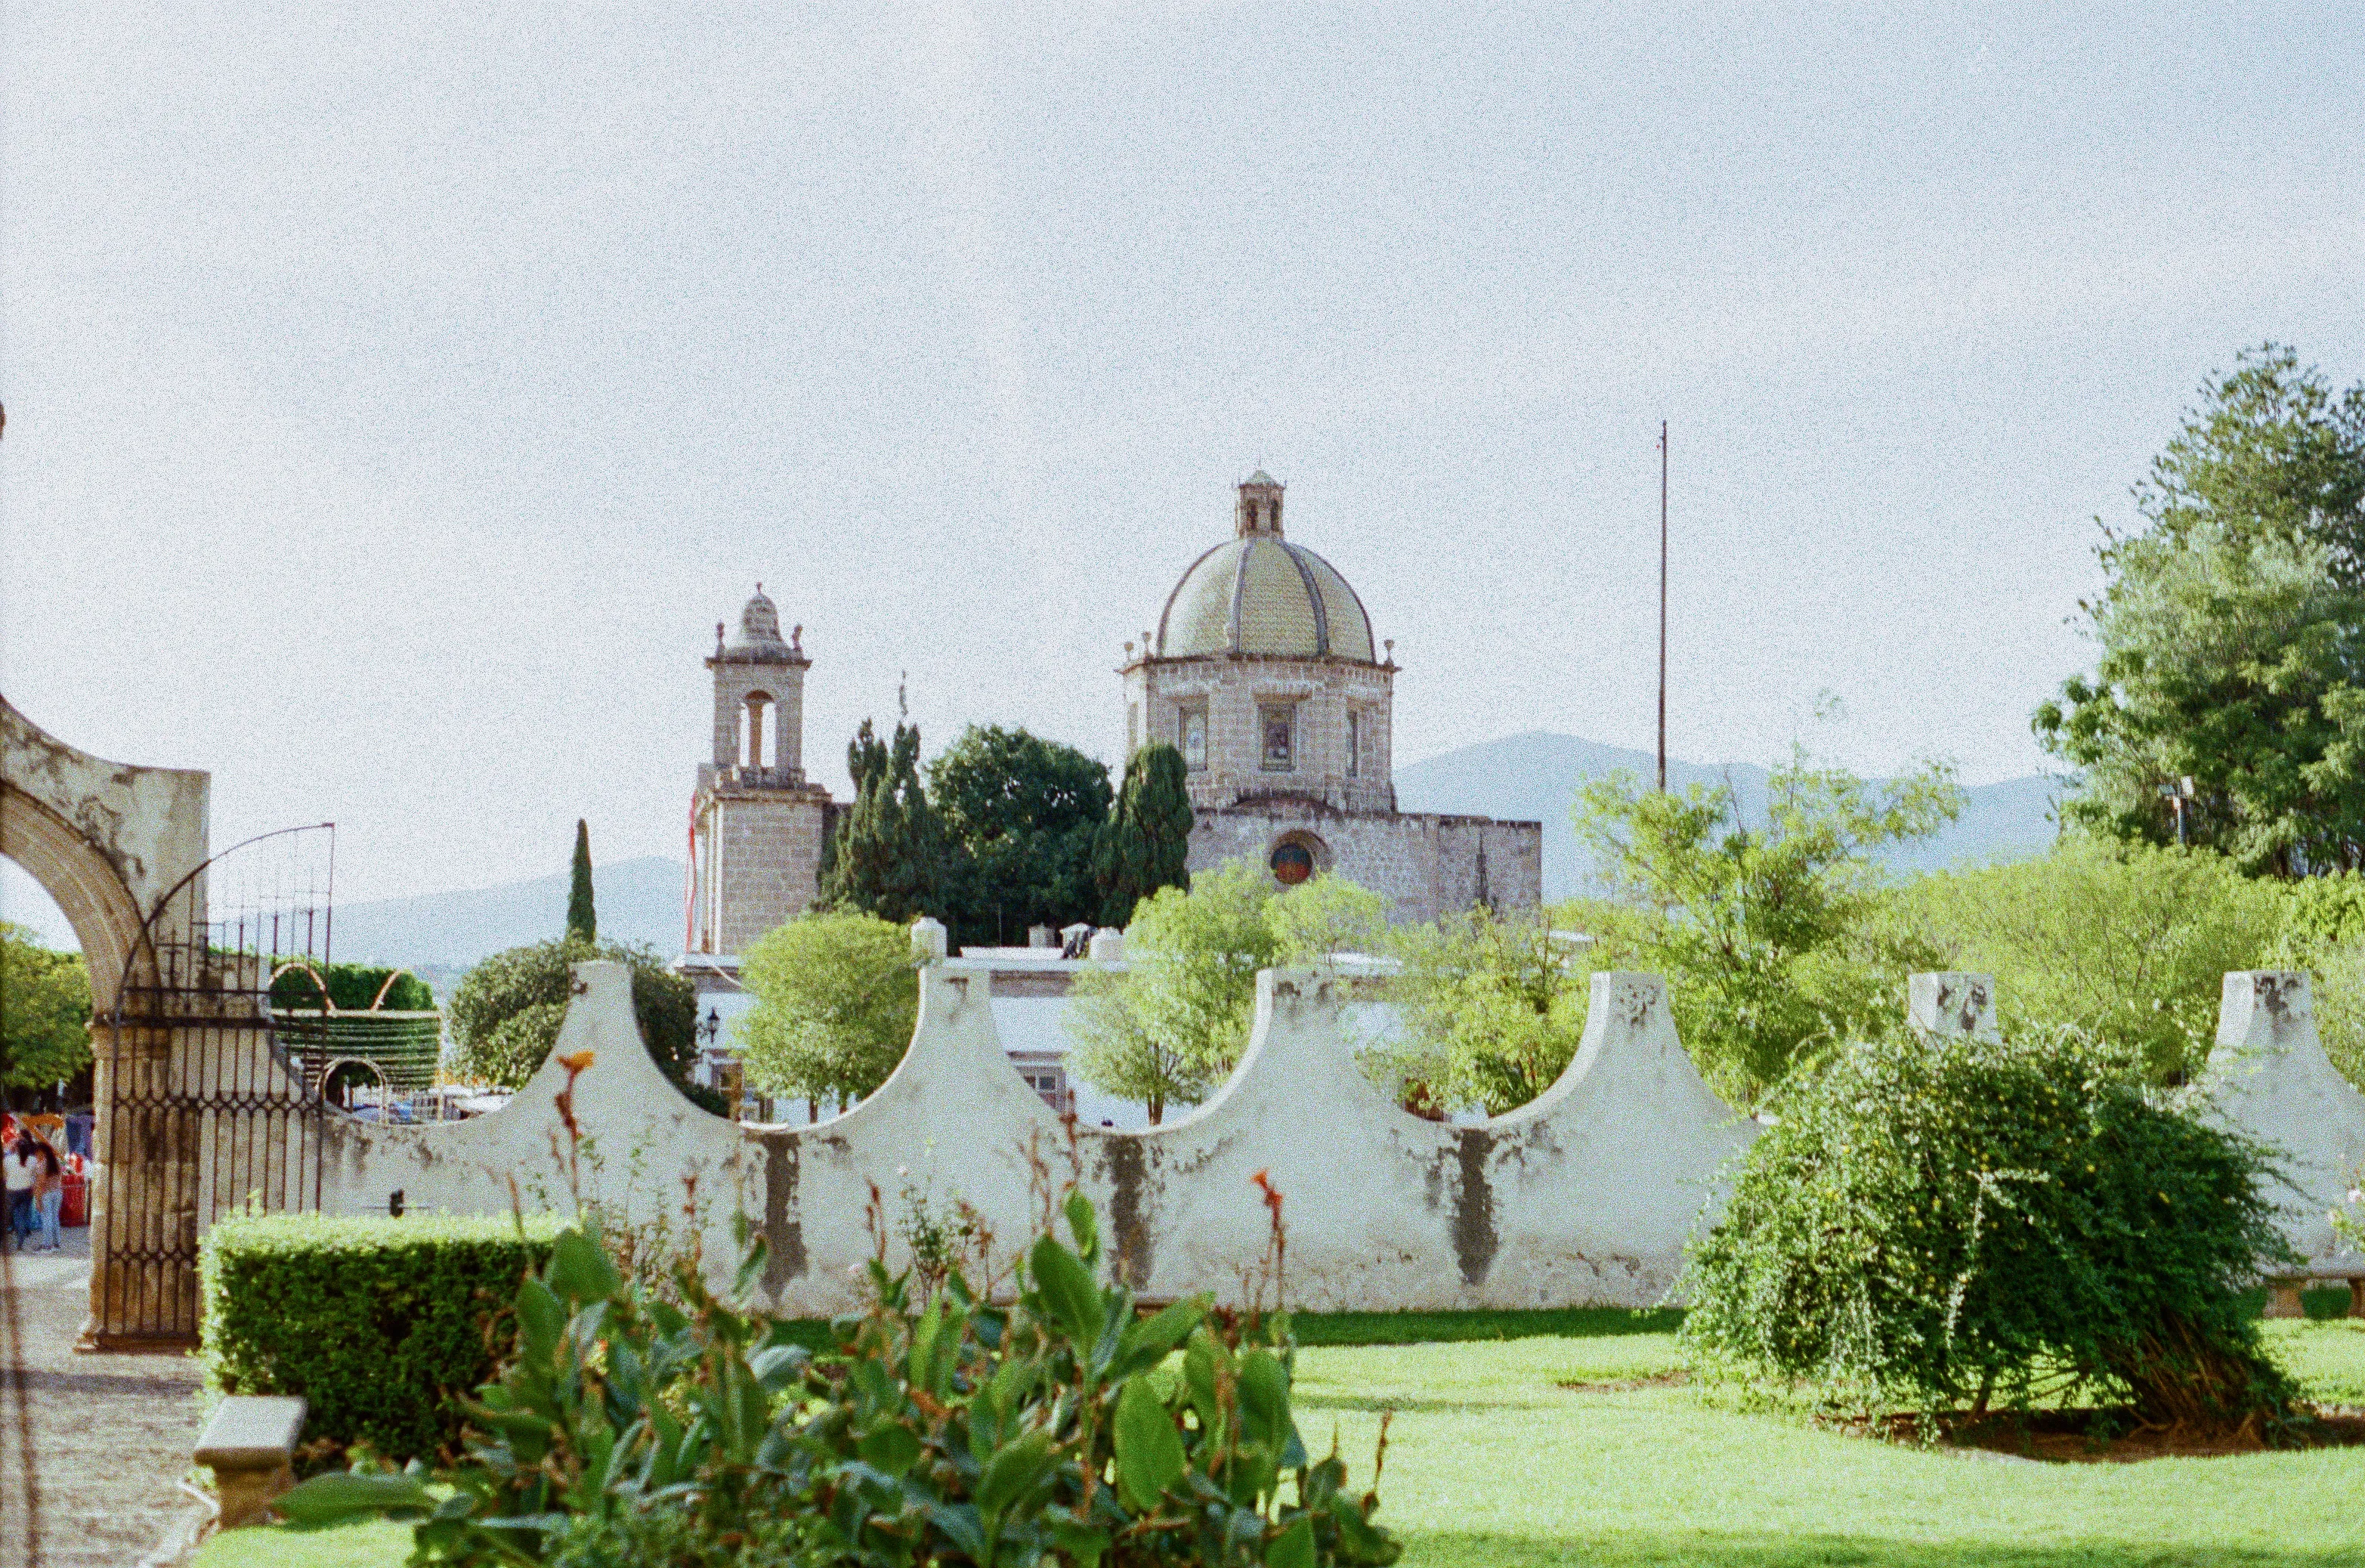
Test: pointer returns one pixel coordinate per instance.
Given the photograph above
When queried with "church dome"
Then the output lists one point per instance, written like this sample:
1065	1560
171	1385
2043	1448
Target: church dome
1258	593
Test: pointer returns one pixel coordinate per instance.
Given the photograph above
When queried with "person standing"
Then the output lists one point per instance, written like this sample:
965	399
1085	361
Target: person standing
17	1165
49	1191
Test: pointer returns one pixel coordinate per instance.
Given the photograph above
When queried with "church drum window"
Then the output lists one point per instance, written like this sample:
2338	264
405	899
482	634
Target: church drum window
1354	744
1280	726
1195	739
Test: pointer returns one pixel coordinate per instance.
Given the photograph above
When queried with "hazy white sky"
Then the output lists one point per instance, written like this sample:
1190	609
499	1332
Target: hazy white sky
398	394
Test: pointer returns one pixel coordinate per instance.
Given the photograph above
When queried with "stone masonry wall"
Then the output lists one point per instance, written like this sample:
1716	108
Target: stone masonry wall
1234	688
762	851
1426	865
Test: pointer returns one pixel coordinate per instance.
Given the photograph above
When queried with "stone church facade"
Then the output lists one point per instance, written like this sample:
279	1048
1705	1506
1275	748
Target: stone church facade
1263	672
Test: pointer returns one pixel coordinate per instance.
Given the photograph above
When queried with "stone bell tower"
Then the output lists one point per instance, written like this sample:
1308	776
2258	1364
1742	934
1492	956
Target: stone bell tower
756	825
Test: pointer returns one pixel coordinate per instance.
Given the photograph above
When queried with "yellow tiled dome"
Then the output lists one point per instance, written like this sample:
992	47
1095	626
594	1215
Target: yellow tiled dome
1259	594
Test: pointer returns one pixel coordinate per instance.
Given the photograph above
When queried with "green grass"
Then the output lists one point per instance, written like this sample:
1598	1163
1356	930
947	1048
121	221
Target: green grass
1492	1464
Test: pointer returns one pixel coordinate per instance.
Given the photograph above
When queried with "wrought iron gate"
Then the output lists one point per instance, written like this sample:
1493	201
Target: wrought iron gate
207	1104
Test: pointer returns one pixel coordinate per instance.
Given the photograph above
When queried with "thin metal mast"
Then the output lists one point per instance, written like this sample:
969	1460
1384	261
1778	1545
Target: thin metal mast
1663	607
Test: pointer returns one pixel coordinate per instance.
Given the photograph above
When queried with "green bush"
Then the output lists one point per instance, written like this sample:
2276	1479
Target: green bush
505	1013
379	1323
945	1430
352	988
1931	1221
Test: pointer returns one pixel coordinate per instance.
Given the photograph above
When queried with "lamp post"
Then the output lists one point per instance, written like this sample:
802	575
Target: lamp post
2177	795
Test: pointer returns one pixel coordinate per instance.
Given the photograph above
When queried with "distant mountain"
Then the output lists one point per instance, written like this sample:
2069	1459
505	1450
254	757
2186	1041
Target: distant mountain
1534	777
639	901
1531	777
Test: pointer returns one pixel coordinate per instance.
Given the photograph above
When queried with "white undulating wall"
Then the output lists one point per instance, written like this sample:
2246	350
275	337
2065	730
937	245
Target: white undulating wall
1586	1196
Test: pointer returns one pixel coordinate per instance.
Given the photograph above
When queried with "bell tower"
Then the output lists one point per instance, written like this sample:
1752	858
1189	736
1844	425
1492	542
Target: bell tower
756	825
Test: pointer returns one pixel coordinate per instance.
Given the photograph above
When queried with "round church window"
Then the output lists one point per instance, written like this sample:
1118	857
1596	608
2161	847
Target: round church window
1292	864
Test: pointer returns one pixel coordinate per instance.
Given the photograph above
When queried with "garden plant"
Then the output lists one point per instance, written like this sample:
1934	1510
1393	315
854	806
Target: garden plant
1932	1223
641	1425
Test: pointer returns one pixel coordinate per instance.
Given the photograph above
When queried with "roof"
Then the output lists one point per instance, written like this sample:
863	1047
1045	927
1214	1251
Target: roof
1261	594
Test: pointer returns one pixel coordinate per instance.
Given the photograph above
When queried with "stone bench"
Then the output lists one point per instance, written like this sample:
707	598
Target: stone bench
2283	1291
249	1442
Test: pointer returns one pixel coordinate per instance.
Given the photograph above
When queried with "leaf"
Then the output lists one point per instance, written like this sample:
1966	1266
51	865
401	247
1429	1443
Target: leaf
1012	1471
1294	1547
1085	1227
776	1366
1149	1456
1265	1398
579	1271
328	1499
962	1523
892	1448
1067	1289
541	1320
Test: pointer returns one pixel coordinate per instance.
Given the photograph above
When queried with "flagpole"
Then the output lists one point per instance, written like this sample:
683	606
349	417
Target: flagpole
1663	607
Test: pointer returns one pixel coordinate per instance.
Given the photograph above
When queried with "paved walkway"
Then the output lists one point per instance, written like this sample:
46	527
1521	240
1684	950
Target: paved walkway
90	1446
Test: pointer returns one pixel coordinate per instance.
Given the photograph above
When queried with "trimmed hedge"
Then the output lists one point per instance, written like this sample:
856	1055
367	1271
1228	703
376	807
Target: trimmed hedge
380	1324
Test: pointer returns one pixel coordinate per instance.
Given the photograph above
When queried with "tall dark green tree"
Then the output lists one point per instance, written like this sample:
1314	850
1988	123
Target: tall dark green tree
2232	633
1020	815
1146	844
890	857
582	919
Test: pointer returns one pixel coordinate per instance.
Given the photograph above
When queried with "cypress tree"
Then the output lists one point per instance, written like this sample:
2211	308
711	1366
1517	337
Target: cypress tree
1146	844
582	920
889	858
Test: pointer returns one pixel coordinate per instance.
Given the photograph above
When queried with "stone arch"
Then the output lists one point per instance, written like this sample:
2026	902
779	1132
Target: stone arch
106	840
105	917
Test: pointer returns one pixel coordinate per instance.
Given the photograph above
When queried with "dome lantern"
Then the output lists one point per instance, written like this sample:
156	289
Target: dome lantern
1258	594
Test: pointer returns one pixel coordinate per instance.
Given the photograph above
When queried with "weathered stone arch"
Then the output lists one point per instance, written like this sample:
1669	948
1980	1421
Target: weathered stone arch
70	869
108	840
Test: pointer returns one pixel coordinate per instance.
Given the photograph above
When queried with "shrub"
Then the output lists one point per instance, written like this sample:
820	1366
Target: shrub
380	1324
1931	1221
941	1431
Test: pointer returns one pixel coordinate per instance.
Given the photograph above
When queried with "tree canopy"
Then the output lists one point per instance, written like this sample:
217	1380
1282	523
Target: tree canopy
1765	933
1146	844
837	996
2231	632
505	1012
1493	1011
1022	814
44	1012
889	858
582	916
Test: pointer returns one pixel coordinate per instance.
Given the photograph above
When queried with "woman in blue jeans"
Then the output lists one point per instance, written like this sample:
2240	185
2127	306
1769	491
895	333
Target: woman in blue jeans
18	1164
49	1193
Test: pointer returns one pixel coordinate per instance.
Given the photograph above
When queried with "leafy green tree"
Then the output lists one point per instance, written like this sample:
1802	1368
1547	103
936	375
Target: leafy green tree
2231	633
2323	933
505	1012
44	1012
1145	844
2129	943
1766	935
582	918
1116	1052
1936	1221
891	858
836	997
1493	1010
1023	812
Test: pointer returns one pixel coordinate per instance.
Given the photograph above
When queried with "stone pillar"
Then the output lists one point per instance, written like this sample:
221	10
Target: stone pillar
1952	1003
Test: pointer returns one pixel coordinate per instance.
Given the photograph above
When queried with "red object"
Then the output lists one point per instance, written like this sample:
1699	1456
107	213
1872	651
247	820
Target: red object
75	1209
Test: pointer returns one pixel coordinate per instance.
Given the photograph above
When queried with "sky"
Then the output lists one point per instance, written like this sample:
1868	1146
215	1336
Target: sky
397	396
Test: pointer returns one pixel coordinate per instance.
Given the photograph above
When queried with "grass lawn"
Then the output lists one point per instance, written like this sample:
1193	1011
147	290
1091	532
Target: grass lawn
1492	1463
